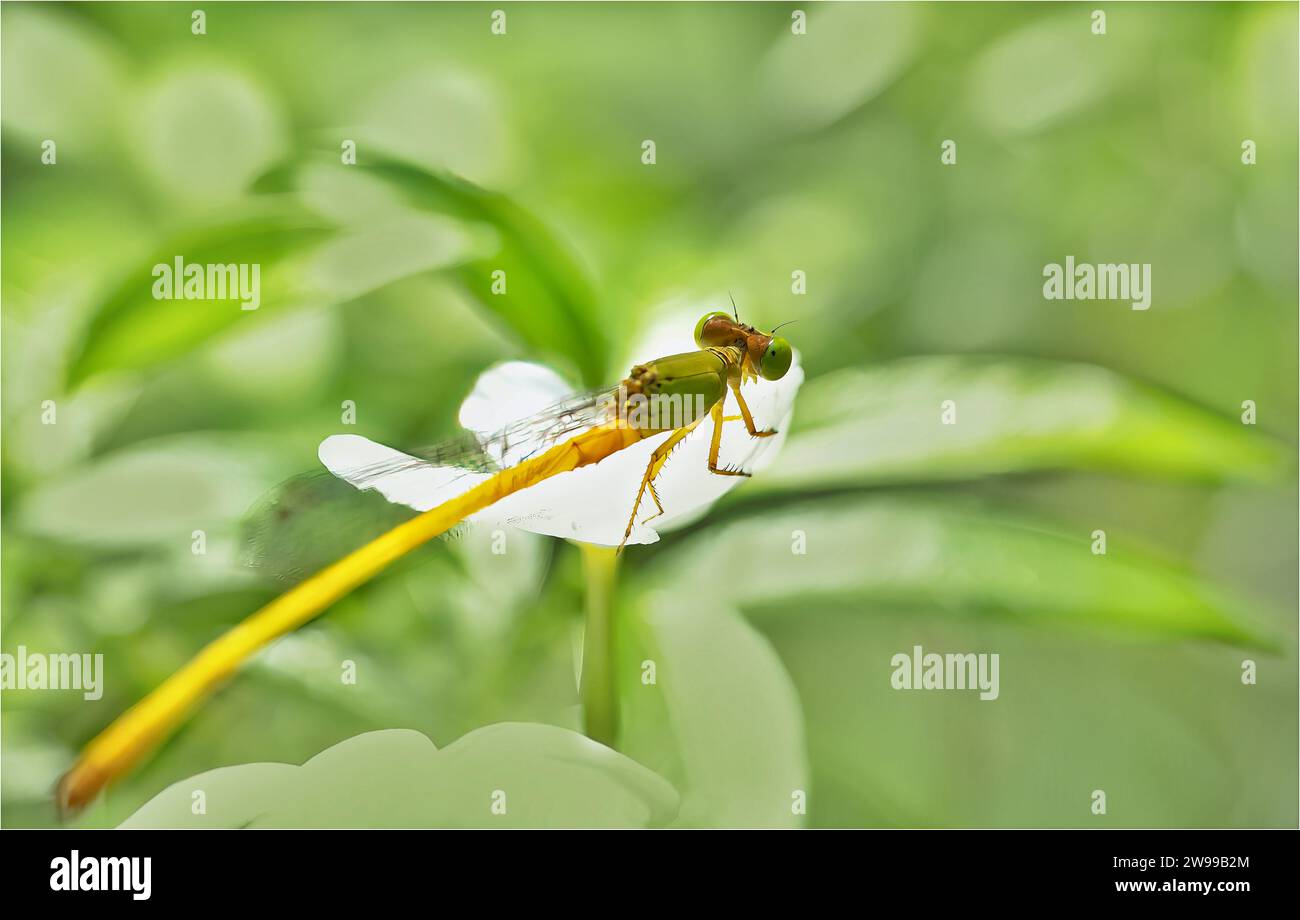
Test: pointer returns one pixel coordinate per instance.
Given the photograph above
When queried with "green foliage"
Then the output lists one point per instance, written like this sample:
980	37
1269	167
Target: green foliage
399	779
875	552
738	759
132	330
858	426
547	299
771	667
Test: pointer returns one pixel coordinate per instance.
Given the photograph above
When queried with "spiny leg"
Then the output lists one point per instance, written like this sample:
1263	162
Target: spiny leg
749	419
716	444
657	461
658	504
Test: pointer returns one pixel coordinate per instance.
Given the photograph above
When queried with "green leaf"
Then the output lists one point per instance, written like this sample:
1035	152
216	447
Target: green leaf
884	425
1145	721
156	493
849	55
961	561
1053	68
721	718
543	776
301	262
131	330
549	299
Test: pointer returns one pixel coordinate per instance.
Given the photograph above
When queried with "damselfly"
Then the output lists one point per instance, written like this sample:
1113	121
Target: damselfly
550	472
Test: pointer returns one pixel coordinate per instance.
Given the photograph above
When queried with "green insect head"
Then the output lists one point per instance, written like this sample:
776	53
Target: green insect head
776	359
770	355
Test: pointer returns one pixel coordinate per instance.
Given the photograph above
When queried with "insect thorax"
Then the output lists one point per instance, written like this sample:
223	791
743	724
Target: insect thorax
677	390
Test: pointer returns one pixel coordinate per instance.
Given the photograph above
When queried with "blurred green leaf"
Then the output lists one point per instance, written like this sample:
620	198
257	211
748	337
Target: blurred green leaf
883	425
850	53
1145	721
548	776
131	330
721	718
1051	67
183	120
483	147
155	493
302	262
961	561
549	300
71	75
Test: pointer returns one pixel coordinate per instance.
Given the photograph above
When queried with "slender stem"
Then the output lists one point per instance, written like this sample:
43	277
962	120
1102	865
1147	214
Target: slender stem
599	689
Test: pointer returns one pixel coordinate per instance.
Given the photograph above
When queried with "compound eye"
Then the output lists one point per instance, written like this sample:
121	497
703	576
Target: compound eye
776	359
706	334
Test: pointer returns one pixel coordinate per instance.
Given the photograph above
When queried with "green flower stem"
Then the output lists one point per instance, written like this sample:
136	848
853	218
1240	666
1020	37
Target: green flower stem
599	689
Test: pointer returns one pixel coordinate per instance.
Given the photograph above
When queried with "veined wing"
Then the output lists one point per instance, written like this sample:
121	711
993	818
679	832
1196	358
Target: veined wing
427	477
314	518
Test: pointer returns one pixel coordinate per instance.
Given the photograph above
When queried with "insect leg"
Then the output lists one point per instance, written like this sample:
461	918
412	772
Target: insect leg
749	419
716	444
657	461
658	504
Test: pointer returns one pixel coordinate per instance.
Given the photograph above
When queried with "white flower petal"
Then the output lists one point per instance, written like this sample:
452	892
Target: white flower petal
591	503
417	485
508	392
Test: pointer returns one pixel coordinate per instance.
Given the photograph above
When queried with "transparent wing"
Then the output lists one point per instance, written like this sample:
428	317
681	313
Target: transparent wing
509	391
313	519
466	459
307	522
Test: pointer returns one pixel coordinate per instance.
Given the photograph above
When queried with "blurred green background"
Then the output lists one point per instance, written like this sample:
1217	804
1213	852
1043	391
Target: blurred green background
774	153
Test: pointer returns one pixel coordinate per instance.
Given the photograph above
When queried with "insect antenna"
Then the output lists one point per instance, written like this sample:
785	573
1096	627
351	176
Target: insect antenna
786	323
734	312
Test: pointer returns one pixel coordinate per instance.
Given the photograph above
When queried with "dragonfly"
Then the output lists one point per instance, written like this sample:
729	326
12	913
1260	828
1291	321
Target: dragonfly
651	413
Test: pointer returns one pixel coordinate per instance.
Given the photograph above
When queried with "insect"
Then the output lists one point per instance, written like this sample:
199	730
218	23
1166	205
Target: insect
455	481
